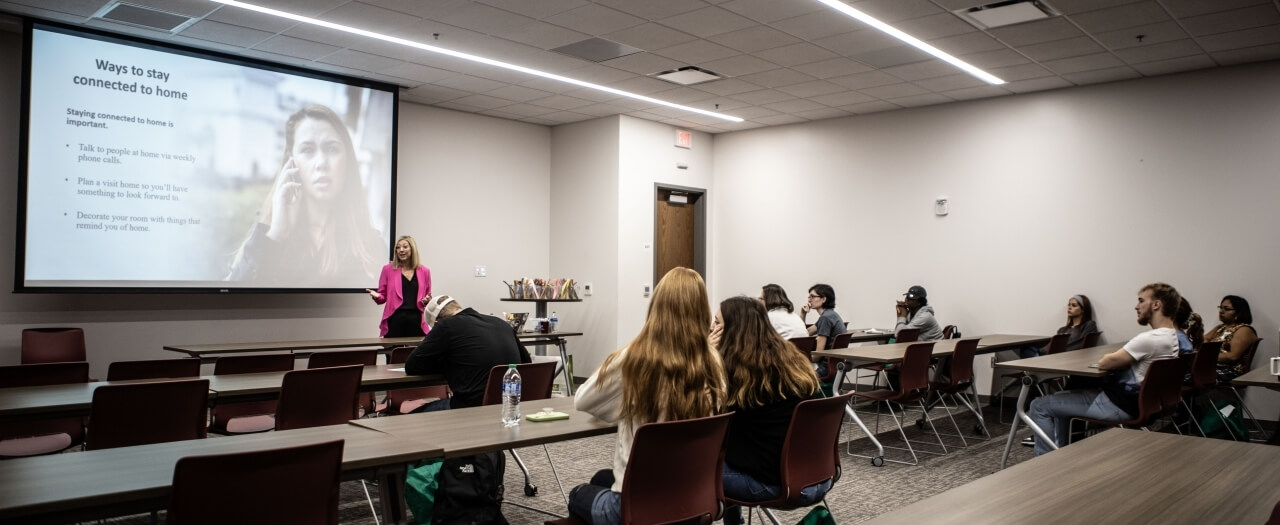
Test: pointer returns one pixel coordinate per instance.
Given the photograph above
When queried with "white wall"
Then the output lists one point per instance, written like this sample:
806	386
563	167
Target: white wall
1094	190
451	168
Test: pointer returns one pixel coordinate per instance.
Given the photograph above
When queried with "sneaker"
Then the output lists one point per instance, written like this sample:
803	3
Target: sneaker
1029	442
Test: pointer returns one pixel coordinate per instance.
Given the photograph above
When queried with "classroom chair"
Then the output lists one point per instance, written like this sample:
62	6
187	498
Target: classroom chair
1203	367
52	345
349	357
913	386
154	369
319	396
1057	344
44	436
145	413
905	335
535	383
253	416
1248	358
960	382
1159	395
406	400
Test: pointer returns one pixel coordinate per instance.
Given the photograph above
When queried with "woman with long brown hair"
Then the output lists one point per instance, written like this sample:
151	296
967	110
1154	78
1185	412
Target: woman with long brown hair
669	372
767	378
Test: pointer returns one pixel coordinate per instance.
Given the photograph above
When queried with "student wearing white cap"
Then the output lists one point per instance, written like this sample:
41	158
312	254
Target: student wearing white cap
463	345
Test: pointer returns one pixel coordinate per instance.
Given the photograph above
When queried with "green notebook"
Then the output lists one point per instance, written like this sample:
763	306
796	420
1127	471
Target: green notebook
539	417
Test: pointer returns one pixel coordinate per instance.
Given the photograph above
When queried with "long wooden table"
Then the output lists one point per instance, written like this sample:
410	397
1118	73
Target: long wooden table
893	353
103	483
206	350
76	399
1117	476
467	431
1259	377
1073	363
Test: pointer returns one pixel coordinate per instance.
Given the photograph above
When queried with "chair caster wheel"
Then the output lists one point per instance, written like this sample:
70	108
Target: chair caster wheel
530	491
877	461
978	430
920	424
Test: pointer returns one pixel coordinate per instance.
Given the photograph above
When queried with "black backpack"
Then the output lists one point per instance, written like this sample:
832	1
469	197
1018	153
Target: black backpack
471	490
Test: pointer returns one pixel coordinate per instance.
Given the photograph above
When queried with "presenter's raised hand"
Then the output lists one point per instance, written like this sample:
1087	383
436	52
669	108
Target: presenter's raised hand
285	201
374	294
426	298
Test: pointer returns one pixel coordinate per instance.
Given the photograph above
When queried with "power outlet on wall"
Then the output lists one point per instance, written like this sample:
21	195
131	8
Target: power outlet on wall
587	289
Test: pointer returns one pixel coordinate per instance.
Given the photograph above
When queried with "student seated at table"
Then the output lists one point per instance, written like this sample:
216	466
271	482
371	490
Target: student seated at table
463	345
767	378
669	372
822	297
1117	401
782	312
1079	323
1236	335
1190	329
915	312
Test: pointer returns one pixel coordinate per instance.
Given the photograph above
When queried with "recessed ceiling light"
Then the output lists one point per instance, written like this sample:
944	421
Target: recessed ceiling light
473	58
916	42
687	76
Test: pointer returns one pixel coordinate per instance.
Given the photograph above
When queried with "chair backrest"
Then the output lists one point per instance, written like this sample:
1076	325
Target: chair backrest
44	374
252	364
1161	388
400	354
950	331
343	358
154	369
841	340
535	382
962	361
805	344
284	485
1204	365
1090	340
651	494
1247	357
814	431
914	374
907	335
1057	344
52	345
319	396
144	413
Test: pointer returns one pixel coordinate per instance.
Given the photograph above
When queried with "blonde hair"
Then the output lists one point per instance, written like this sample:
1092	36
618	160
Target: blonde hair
413	254
670	371
762	367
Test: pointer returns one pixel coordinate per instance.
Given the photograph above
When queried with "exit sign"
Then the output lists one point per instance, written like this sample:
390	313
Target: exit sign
684	138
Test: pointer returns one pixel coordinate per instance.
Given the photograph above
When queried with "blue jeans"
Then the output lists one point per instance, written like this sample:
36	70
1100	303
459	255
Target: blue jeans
1053	414
1029	351
439	404
743	487
596	503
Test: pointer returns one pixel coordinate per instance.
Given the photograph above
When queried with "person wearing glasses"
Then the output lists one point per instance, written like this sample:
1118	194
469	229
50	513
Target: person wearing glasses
822	297
1236	335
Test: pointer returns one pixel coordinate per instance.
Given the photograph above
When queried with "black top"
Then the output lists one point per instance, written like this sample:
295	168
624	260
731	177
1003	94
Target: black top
409	290
464	347
754	445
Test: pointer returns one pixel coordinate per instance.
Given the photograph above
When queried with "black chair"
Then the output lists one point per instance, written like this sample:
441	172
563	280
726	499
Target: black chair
154	369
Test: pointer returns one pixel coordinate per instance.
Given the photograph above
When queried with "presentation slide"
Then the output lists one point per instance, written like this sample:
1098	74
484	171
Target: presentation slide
148	167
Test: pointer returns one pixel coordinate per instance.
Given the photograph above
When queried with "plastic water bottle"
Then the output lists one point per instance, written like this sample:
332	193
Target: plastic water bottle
511	397
554	320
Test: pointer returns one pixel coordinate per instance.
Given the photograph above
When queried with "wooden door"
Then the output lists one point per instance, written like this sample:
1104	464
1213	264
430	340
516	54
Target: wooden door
674	244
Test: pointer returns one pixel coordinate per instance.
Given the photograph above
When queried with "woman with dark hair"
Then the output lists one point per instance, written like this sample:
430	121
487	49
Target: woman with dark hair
669	372
1236	335
767	378
314	222
822	297
1190	328
1079	324
782	312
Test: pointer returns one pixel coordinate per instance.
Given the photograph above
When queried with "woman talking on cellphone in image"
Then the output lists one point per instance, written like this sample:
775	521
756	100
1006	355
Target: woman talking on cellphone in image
314	225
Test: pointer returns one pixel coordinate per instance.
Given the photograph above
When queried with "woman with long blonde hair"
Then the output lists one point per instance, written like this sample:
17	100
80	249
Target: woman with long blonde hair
404	288
669	372
767	377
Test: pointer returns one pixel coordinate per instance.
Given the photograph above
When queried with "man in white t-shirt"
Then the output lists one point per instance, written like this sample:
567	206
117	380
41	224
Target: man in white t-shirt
1118	400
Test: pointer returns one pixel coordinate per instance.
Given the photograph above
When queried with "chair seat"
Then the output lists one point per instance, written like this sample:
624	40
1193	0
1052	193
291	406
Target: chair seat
34	446
571	520
251	424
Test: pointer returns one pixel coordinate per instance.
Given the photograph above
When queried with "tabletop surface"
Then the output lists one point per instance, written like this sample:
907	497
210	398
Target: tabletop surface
466	431
64	482
548	335
1117	476
1075	362
231	348
1259	376
373	378
892	353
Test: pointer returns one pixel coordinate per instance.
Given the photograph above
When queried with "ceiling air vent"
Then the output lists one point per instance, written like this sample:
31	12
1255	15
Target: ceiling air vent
688	76
597	49
145	17
1006	13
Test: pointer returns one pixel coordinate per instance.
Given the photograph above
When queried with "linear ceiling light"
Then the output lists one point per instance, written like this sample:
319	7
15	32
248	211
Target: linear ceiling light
919	44
473	58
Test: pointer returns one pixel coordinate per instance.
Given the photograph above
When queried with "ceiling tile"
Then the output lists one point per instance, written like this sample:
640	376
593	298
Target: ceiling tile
251	19
708	21
205	44
518	93
599	74
972	93
417	72
922	70
1225	21
739	66
1175	65
935	26
561	102
777	77
835	67
950	83
1083	63
754	112
723	104
485	19
779	120
916	101
871	107
1248	54
764	96
368	17
1071	47
1186	8
1057	28
360	61
650	36
653	9
892	91
968	43
1151	34
454	105
893	56
683	95
866	80
642	85
858	42
569	117
80	8
295	47
225	33
1037	84
728	86
433	9
1237	39
594	19
1020	72
823	114
540	9
997	58
527	110
811	89
589	94
1071	7
771	10
796	54
1128	15
895	10
752	39
436	93
191	8
643	63
553	62
696	52
470	83
1099	76
545	36
818	24
1164	51
794	106
845	98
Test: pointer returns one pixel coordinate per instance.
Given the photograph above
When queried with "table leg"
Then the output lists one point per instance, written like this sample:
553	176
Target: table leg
564	365
391	482
878	460
1027	382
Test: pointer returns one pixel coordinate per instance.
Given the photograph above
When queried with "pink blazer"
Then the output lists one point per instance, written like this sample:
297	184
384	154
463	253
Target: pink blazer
393	297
